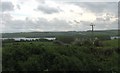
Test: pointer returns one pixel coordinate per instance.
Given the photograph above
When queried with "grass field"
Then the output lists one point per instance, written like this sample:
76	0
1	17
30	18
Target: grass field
111	43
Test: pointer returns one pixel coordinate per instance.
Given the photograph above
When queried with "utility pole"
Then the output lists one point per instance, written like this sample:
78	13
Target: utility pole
92	25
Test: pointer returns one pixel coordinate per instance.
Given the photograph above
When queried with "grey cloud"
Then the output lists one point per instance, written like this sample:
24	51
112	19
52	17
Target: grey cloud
100	19
18	6
86	0
107	18
48	10
41	23
14	26
7	6
61	25
54	25
106	24
99	7
6	17
41	1
119	11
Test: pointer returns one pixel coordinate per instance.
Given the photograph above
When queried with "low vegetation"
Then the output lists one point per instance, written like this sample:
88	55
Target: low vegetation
71	55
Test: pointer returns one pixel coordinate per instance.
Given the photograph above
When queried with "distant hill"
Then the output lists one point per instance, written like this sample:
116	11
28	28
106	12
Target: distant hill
54	34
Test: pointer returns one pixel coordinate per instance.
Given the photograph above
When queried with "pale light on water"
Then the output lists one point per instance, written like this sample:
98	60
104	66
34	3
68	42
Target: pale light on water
18	39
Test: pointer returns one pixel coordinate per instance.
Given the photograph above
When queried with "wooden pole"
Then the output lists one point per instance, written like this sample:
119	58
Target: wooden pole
92	25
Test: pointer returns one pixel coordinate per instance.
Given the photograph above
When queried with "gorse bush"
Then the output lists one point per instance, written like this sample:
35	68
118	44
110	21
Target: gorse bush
48	56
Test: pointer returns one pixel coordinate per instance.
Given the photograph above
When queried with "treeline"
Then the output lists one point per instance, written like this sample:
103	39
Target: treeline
22	40
55	34
76	40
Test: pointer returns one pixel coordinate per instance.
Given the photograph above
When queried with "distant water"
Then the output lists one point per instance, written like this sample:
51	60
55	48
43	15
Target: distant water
22	38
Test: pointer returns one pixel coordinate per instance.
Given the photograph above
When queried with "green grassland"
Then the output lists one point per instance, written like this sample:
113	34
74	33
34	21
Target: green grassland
112	43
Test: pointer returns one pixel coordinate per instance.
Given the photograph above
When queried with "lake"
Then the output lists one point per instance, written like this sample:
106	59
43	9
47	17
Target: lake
22	38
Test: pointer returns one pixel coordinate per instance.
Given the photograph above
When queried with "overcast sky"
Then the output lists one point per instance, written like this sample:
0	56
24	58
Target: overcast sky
54	15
